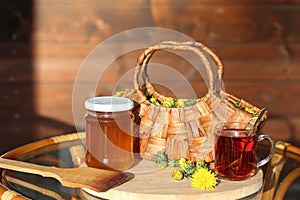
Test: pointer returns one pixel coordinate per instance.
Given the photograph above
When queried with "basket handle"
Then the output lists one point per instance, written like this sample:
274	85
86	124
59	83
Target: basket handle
195	47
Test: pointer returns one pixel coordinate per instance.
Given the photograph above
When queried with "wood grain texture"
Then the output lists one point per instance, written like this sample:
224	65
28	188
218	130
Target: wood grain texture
215	21
44	43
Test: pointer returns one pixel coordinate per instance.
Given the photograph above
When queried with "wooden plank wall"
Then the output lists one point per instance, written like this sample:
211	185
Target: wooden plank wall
44	42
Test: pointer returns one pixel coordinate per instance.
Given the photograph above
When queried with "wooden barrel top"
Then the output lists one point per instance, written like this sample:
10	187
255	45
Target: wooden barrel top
150	183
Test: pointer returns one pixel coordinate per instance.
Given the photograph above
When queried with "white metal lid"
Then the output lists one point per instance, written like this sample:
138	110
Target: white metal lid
108	104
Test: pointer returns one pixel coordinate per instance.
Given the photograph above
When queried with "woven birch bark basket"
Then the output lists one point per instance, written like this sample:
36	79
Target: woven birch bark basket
185	131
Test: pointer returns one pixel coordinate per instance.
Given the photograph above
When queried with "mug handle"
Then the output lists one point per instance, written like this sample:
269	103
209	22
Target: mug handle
268	158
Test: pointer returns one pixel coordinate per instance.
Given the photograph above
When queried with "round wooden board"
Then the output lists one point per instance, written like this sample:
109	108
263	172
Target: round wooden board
150	183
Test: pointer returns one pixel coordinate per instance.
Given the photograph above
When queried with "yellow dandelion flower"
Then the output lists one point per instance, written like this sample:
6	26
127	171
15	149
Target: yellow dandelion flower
182	163
249	110
204	179
179	103
177	174
168	102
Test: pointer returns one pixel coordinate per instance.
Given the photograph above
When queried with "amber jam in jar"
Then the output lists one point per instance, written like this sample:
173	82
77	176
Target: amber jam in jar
109	133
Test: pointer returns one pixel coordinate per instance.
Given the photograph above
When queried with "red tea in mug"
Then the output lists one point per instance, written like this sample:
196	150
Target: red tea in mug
235	150
235	154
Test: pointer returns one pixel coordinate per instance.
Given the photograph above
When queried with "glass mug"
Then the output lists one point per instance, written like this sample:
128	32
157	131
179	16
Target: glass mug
235	151
109	133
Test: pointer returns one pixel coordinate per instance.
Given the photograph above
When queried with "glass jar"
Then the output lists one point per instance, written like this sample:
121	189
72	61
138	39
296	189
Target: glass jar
109	133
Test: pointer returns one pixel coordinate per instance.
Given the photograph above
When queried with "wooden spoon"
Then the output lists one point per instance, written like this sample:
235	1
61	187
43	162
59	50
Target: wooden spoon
86	177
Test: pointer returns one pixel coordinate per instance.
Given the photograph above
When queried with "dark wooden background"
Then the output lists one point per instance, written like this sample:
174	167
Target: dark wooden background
44	42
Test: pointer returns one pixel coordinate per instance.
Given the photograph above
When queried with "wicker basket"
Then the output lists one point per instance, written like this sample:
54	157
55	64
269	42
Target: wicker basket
186	131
